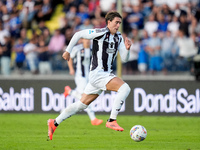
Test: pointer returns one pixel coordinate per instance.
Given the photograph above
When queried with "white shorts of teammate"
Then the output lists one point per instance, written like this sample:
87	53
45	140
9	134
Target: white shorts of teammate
81	83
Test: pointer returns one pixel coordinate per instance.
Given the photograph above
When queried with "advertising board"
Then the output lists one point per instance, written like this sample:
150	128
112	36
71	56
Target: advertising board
145	98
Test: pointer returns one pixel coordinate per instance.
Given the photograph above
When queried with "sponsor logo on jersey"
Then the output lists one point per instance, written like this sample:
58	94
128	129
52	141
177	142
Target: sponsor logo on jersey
100	30
110	50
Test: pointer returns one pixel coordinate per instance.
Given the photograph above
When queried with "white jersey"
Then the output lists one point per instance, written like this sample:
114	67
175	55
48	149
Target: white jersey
105	47
81	60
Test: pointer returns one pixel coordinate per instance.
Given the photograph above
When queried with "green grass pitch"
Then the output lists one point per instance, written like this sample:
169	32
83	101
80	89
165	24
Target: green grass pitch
29	132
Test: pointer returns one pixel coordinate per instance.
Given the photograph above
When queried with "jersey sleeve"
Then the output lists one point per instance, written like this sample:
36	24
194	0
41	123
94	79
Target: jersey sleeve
75	50
124	53
86	34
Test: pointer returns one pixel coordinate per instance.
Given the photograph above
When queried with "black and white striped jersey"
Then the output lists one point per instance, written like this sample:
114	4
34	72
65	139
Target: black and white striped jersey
81	60
105	47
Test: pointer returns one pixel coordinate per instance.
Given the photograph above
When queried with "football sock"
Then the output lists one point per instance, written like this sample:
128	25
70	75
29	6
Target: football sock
90	113
89	110
70	110
55	123
121	96
75	94
111	120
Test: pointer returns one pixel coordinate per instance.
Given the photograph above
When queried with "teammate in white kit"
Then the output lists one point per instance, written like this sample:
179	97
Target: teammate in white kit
106	43
81	56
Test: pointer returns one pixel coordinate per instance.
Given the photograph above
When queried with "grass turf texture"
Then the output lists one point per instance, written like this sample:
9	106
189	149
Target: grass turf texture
29	131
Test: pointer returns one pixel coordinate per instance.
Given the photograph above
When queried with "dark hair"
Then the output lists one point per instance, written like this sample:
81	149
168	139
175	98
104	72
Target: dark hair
111	15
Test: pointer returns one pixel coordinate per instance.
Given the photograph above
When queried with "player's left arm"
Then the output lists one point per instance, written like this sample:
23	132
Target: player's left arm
124	48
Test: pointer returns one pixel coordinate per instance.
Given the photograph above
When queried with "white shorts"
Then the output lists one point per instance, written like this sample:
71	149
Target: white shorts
97	82
81	83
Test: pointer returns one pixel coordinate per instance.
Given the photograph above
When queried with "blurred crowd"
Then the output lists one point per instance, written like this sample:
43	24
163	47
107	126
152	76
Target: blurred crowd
165	34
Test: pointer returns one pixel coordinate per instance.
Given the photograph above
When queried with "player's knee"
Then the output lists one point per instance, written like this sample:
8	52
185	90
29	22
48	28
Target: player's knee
125	88
81	106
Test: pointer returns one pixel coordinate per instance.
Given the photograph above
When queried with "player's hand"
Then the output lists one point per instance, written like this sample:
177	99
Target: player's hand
127	43
66	56
71	72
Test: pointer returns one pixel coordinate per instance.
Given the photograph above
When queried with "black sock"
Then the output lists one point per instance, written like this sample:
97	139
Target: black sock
110	120
55	123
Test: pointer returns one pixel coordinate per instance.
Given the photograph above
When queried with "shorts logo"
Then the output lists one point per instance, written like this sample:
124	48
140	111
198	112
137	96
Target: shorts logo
91	31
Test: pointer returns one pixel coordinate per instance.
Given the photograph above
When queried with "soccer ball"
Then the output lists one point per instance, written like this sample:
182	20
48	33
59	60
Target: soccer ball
138	133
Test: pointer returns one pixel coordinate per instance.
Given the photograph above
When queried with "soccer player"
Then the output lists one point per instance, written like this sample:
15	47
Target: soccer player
81	55
106	43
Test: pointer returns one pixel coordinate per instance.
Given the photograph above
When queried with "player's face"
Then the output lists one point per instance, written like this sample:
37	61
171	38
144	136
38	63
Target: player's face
114	25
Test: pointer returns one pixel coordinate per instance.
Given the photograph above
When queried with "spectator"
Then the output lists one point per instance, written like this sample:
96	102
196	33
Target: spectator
77	23
68	4
143	55
147	7
86	25
154	51
6	24
126	25
23	35
82	13
184	25
55	47
151	25
132	64
4	12
134	33
106	6
19	5
64	25
18	48
162	24
179	14
97	14
136	18
38	7
173	26
6	56
92	6
194	26
71	14
166	12
15	25
44	63
3	33
10	5
47	36
178	10
42	26
28	12
46	11
127	6
167	52
68	36
187	50
144	40
31	54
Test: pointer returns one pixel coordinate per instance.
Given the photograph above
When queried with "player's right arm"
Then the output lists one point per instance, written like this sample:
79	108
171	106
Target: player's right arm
85	34
71	68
